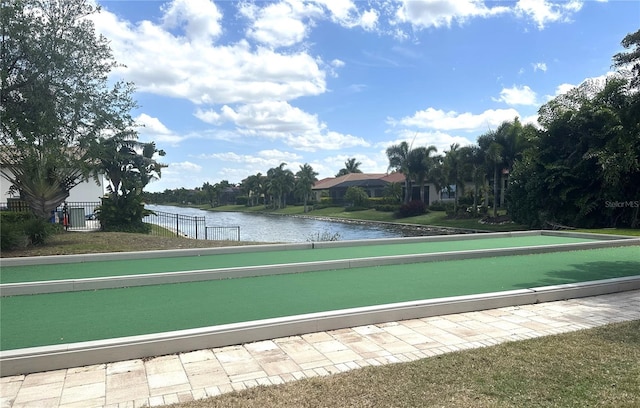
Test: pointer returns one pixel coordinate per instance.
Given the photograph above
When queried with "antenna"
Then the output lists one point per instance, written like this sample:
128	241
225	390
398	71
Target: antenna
414	139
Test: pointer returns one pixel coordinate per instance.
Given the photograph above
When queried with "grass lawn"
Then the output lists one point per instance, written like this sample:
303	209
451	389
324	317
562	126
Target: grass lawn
596	367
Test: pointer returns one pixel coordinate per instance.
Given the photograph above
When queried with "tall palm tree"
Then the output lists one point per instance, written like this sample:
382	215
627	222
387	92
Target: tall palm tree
474	163
280	182
252	187
492	151
419	163
454	166
350	166
305	179
502	148
399	160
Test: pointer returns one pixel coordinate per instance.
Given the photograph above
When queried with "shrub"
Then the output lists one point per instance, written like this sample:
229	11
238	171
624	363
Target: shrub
466	201
357	197
124	214
242	200
437	206
19	229
38	230
415	207
12	236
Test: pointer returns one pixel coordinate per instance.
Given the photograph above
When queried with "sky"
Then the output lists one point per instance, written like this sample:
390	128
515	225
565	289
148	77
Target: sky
232	88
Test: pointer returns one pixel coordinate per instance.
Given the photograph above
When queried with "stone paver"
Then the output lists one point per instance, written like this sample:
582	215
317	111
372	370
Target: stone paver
205	373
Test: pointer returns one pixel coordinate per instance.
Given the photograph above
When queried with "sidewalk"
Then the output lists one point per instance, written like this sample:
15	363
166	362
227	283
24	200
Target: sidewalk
200	374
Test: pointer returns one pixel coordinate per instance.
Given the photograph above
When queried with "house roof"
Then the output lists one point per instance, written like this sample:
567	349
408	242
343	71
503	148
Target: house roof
358	179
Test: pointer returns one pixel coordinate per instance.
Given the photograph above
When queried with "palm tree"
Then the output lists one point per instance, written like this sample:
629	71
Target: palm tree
306	178
252	187
350	166
398	160
502	148
419	164
280	182
474	163
454	167
492	151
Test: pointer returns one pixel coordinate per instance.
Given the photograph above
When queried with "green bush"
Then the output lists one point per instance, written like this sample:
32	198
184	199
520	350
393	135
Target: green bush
124	214
14	217
242	200
437	206
415	207
19	229
356	197
12	236
38	230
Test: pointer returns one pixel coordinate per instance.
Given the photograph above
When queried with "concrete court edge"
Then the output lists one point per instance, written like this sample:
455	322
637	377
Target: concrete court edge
47	358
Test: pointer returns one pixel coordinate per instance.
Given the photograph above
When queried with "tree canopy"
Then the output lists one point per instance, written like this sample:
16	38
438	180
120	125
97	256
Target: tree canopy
584	168
55	98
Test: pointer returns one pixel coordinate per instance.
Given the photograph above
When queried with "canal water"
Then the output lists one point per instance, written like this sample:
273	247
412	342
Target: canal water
279	228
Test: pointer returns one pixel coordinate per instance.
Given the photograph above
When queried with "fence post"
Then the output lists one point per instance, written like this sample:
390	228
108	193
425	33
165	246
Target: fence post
177	225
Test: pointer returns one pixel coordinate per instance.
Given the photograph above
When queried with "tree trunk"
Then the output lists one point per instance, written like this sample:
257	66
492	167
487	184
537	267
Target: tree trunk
495	190
407	190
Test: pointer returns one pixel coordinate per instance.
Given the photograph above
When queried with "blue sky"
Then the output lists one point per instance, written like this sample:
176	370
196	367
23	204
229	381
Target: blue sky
232	88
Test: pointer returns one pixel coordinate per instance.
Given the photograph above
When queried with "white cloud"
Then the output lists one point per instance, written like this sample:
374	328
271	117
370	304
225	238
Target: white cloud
438	13
181	167
564	88
279	120
264	158
369	19
543	11
240	166
442	13
200	19
539	66
437	119
346	13
278	24
368	163
205	73
151	129
517	96
336	63
441	140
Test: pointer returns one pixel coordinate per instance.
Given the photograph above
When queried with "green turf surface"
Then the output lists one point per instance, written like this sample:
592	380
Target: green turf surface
34	273
27	321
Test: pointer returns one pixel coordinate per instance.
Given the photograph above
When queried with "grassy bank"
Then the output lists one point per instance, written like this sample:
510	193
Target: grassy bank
69	243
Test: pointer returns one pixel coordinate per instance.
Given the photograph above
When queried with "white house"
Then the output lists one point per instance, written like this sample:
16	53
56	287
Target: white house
88	191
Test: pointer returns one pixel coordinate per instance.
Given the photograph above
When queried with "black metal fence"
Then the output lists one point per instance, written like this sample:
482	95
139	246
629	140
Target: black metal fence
222	233
189	226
